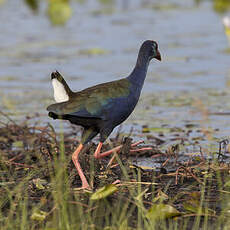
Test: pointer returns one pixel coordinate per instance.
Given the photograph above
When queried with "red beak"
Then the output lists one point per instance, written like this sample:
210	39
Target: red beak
158	57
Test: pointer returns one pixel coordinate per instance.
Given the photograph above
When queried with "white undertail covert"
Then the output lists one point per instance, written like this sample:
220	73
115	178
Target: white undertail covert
60	94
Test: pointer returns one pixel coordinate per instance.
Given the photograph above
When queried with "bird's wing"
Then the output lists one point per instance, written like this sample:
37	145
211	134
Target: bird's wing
94	101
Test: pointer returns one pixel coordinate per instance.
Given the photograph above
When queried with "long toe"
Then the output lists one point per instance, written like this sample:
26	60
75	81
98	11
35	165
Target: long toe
141	149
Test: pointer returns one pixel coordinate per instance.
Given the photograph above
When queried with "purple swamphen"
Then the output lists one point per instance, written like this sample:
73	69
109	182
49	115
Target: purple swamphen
99	109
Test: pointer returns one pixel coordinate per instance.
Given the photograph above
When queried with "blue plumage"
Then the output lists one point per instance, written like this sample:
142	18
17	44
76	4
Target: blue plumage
99	109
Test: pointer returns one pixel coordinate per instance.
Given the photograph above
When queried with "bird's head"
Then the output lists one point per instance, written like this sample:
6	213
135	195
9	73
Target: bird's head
150	48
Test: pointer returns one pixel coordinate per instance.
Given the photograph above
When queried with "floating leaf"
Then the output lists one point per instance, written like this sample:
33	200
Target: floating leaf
39	215
59	12
104	192
32	4
221	6
145	130
163	7
93	51
106	2
160	130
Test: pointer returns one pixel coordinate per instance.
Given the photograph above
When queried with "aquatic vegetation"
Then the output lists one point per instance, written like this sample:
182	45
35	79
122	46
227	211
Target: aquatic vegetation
32	4
59	11
185	184
221	6
38	185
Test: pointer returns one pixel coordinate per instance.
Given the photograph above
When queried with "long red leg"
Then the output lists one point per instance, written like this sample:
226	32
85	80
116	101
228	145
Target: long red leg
75	157
98	155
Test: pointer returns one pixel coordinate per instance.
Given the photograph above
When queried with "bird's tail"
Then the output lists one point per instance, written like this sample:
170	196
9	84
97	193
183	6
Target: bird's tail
62	92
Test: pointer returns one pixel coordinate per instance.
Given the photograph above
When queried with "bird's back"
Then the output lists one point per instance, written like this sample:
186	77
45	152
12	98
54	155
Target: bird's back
111	101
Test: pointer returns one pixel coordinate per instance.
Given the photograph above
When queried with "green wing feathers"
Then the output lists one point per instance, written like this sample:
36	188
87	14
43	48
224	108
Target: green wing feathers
92	101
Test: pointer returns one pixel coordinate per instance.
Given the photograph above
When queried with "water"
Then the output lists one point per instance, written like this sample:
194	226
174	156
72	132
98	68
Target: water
193	77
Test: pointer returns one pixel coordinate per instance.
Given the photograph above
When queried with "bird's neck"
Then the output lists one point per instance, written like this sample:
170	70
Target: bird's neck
139	72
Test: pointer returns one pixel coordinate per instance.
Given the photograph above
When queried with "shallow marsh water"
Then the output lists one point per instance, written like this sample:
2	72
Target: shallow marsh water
98	45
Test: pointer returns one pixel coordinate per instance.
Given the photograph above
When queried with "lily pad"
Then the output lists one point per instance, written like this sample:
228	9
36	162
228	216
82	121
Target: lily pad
93	51
59	12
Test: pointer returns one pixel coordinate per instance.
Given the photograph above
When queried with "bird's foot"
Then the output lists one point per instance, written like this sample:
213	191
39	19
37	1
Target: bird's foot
116	182
141	149
85	187
118	148
99	155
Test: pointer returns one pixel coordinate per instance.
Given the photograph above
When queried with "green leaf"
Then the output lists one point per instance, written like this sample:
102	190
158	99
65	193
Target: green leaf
103	192
160	130
32	4
227	184
18	144
161	196
59	12
193	206
161	211
221	6
93	51
39	183
106	2
39	215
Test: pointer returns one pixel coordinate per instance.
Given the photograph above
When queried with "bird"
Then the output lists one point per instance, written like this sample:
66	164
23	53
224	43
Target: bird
100	108
226	22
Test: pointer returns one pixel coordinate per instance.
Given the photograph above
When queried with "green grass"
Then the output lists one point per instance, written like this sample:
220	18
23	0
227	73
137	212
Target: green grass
38	192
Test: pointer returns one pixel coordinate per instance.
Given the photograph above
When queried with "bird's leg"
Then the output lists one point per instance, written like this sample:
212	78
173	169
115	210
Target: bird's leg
98	155
75	157
131	150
